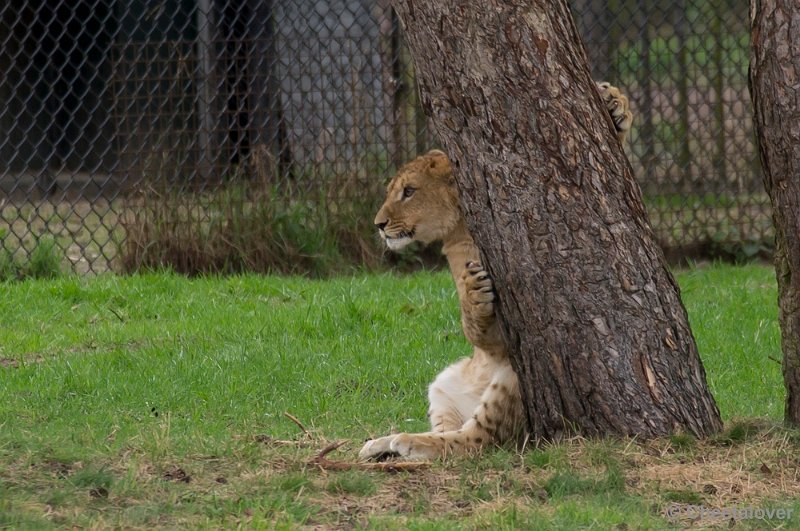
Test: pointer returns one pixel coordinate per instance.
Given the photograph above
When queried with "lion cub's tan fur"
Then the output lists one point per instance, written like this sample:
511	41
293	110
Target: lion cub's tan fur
474	402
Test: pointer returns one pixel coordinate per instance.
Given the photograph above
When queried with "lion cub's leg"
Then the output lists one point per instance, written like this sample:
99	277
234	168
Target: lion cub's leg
618	107
476	295
497	419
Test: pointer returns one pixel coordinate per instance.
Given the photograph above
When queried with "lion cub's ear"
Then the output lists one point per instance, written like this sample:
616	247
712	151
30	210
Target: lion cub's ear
438	163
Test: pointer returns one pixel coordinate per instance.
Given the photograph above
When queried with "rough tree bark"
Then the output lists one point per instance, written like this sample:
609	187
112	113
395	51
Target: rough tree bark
774	72
595	326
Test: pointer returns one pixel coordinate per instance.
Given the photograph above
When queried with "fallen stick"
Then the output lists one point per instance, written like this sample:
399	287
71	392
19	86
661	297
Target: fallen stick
388	466
297	421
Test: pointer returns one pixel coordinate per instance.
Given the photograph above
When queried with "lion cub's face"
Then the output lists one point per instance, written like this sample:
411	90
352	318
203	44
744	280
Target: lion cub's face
421	203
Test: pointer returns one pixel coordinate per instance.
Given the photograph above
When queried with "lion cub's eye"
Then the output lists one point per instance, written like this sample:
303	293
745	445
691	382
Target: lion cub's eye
408	191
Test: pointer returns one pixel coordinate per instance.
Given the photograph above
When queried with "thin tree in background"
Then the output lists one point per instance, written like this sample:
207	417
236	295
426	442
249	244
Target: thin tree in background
774	71
683	126
645	76
592	316
719	59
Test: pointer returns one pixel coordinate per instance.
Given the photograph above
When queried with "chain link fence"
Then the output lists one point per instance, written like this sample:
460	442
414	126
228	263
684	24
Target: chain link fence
230	134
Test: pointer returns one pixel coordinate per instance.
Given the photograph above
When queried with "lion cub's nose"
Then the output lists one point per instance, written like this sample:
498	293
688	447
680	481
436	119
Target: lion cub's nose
381	224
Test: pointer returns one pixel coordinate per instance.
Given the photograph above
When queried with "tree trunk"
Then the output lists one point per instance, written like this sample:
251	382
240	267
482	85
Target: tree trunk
593	320
774	70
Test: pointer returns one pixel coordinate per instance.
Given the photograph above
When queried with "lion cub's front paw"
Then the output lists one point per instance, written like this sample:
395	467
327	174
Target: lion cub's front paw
618	107
479	291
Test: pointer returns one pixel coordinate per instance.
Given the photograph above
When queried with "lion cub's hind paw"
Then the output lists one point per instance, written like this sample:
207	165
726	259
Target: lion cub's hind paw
378	449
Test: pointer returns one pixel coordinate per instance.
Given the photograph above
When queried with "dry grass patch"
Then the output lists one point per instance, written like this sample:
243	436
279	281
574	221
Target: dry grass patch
560	486
759	468
750	465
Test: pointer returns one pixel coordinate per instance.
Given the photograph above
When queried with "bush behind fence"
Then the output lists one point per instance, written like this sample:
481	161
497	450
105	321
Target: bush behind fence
220	135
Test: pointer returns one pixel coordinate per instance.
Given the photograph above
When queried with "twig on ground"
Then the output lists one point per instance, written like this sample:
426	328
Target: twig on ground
116	314
297	421
390	466
269	441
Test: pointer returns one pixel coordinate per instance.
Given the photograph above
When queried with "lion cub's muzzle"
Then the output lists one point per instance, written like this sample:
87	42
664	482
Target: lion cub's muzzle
395	241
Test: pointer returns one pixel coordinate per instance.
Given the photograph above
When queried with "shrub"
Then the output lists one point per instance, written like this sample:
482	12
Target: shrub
250	223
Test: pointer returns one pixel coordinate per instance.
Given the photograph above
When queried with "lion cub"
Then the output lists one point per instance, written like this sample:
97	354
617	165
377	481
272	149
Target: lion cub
476	401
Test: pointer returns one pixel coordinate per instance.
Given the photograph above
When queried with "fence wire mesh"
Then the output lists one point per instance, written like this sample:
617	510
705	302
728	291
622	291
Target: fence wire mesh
259	134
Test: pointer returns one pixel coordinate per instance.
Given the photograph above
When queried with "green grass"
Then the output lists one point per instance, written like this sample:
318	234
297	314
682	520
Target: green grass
733	314
157	400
